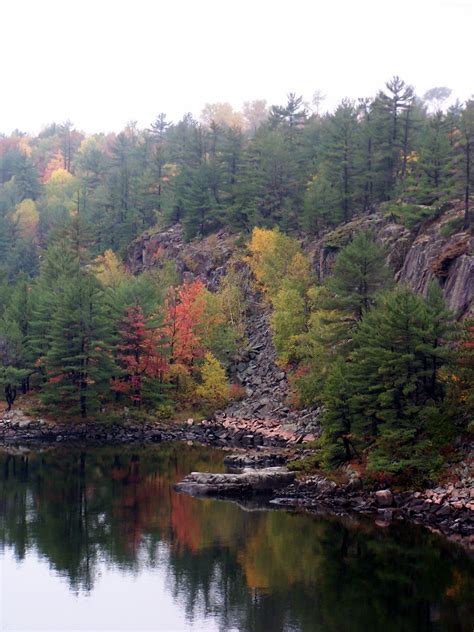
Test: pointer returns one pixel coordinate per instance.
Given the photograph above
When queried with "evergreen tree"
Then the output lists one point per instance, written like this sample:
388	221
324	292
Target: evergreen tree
434	167
394	375
466	150
198	204
78	362
339	152
391	126
359	273
338	441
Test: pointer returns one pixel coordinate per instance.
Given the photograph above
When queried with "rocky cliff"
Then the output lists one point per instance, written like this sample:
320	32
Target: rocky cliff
417	257
203	259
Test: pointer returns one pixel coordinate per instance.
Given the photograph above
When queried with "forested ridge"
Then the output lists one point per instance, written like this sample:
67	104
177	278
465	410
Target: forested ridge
391	369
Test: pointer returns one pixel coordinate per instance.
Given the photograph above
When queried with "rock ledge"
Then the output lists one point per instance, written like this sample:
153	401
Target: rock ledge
249	482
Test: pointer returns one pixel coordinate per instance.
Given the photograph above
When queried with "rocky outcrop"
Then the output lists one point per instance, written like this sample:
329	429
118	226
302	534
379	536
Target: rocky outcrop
417	257
203	259
18	428
247	483
447	259
447	508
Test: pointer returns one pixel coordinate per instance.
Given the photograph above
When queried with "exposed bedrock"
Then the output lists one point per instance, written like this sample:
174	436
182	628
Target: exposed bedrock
248	482
417	257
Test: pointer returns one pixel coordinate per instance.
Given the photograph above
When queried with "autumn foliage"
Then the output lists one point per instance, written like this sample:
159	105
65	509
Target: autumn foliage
184	309
139	355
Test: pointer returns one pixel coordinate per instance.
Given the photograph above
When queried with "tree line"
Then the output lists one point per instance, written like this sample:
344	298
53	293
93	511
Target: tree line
282	165
90	336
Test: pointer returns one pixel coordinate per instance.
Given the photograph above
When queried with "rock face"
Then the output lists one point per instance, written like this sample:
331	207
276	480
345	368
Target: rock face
417	257
205	259
249	482
449	260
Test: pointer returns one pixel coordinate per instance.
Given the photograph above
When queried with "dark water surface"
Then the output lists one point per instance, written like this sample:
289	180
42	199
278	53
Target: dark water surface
96	539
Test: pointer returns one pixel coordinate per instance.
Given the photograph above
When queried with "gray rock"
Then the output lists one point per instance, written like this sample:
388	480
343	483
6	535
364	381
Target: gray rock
384	498
250	481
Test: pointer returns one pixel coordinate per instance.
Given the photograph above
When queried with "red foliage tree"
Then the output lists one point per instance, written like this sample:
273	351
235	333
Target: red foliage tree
139	355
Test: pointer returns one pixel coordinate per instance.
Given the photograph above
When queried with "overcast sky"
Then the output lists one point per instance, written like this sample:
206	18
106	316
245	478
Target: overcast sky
101	63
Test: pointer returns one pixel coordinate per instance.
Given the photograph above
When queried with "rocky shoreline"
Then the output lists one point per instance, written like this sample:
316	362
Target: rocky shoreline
17	427
447	508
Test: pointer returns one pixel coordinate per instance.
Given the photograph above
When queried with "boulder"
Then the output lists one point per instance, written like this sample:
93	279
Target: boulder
384	498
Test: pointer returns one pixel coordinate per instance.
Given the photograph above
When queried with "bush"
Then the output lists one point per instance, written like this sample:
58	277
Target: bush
452	226
410	215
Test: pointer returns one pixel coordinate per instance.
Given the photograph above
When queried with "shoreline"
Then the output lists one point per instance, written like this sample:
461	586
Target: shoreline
447	509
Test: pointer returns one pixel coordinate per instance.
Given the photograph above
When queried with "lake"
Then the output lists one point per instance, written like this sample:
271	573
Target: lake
96	539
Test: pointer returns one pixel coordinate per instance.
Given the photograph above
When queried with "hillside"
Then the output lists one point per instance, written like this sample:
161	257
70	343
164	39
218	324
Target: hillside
416	257
298	273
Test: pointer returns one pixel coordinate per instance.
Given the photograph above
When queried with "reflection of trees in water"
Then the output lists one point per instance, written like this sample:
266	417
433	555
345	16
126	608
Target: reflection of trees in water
253	571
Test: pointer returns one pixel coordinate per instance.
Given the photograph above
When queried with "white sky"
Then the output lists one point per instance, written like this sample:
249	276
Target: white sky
102	63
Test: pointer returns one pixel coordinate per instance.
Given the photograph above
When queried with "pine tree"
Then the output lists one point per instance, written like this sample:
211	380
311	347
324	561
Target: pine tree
198	203
435	164
391	127
339	156
394	375
338	442
466	157
78	362
358	274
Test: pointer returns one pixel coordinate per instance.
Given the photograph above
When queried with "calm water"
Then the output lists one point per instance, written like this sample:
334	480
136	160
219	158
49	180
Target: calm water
97	540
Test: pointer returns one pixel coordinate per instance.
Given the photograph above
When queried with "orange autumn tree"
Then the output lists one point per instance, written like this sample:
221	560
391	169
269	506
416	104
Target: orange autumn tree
141	356
196	329
184	310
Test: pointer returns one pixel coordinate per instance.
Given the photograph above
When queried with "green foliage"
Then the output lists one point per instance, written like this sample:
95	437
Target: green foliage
78	362
294	170
452	227
288	322
321	205
391	388
410	215
358	274
217	332
338	394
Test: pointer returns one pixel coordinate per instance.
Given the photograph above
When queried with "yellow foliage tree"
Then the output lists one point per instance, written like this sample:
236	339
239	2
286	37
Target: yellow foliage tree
277	258
60	194
288	322
26	217
214	389
110	270
221	114
232	299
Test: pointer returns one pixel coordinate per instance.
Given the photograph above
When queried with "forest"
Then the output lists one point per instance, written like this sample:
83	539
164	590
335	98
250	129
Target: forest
392	369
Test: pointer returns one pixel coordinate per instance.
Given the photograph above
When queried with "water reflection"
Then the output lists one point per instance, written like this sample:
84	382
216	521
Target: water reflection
102	517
